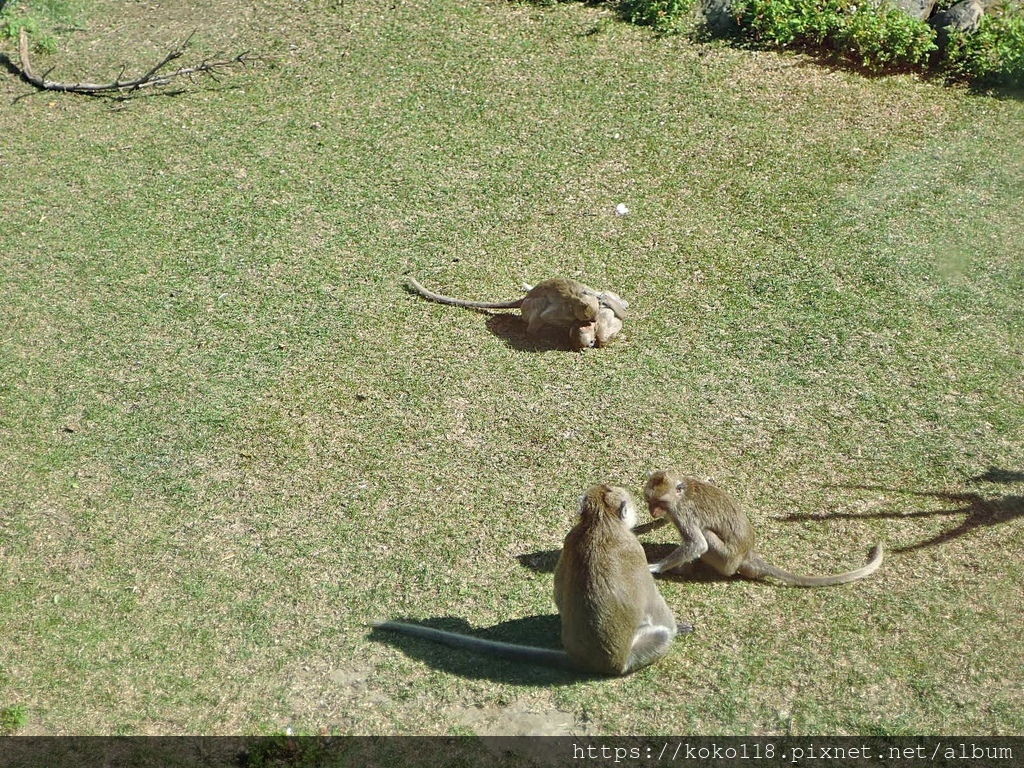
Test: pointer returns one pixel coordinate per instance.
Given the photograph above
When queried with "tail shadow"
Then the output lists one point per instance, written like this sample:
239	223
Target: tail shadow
977	510
540	631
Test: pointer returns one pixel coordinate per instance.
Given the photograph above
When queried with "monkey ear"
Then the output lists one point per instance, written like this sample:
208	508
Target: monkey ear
627	514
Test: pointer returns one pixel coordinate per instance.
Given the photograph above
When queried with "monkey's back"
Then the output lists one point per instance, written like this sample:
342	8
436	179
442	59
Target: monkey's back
601	591
721	513
559	301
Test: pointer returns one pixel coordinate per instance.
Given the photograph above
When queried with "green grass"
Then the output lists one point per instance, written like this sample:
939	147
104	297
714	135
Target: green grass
229	438
42	19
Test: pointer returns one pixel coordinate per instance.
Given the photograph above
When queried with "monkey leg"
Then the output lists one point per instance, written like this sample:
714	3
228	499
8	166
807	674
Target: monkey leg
687	552
723	558
614	302
552	314
533	313
650	643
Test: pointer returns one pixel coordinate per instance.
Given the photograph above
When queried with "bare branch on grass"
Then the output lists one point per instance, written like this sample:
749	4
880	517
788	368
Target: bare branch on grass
155	76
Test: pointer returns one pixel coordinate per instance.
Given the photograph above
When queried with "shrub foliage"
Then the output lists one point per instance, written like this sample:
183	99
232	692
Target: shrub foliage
866	33
992	54
37	17
874	37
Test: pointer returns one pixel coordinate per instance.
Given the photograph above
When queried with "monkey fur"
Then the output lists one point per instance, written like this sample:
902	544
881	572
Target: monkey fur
715	530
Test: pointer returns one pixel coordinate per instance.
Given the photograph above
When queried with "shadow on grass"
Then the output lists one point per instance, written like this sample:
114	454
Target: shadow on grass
997	475
512	330
830	62
7	63
545	562
540	562
977	510
538	631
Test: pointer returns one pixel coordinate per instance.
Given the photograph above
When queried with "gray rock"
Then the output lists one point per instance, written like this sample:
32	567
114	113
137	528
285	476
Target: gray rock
719	17
965	16
918	9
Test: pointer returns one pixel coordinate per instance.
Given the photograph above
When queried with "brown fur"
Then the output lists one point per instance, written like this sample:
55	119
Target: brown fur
715	530
598	333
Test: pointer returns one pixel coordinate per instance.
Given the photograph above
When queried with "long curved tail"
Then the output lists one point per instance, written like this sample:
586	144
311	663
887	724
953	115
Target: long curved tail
514	304
756	568
549	657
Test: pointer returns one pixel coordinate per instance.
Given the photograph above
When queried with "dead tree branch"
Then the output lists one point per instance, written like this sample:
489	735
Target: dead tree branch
153	77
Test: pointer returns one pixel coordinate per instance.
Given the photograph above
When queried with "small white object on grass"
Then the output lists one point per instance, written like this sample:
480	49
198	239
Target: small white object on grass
621	209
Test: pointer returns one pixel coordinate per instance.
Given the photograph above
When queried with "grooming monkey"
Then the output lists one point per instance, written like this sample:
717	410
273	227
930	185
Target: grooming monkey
614	619
598	333
559	302
714	529
601	331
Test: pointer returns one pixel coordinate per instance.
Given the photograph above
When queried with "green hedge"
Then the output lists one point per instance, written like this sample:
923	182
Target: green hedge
878	38
992	54
871	37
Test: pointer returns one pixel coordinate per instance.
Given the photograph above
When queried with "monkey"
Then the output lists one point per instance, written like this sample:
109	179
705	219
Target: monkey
598	333
601	331
559	302
614	619
715	530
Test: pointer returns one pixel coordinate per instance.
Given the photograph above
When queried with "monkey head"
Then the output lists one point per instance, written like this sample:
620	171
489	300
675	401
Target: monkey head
663	491
601	500
597	333
583	336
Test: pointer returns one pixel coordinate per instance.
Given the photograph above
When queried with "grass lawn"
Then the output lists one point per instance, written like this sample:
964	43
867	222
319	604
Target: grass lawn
229	437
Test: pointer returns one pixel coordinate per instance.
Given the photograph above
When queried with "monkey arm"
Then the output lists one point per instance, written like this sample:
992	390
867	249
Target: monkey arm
694	545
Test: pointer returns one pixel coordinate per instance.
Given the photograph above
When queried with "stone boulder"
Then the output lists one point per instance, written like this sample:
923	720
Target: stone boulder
918	9
965	16
719	17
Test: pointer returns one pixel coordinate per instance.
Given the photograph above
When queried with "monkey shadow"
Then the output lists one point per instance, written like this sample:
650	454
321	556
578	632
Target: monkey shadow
696	572
997	475
545	561
538	631
977	511
540	562
512	331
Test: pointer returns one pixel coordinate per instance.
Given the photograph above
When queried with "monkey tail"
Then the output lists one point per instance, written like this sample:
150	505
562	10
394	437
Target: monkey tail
514	304
548	657
756	568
